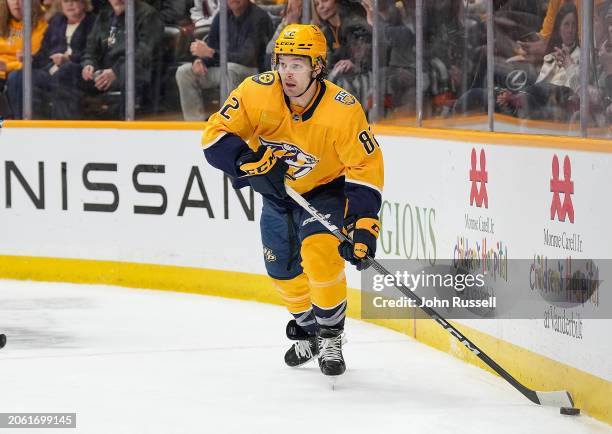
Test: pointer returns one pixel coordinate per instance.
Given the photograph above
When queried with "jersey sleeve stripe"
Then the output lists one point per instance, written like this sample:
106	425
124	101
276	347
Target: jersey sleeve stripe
365	184
215	140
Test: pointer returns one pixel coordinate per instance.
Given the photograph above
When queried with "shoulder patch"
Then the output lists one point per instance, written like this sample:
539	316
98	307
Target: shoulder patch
345	98
266	78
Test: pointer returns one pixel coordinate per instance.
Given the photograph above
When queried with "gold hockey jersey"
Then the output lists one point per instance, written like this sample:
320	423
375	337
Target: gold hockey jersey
326	140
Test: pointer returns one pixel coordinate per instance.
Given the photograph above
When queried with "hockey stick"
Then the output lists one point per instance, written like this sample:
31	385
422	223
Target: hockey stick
559	398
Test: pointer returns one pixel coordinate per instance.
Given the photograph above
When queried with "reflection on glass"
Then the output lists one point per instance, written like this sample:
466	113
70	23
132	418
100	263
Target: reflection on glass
553	94
444	42
398	58
453	38
537	69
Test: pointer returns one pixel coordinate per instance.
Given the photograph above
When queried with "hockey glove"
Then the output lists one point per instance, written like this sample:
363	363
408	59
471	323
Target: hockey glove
364	232
265	172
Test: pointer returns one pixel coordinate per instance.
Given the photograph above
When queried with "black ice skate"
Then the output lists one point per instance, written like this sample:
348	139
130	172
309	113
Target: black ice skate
331	361
305	347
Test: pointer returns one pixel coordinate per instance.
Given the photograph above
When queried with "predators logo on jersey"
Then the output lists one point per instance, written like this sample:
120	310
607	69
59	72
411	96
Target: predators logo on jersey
299	162
345	98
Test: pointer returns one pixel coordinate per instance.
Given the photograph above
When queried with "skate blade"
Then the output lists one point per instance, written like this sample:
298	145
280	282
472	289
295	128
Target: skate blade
333	380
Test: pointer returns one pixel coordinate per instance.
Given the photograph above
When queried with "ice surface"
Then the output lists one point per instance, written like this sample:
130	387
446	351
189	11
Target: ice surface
139	361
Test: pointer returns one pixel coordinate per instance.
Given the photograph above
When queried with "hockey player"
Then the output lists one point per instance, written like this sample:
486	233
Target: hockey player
292	126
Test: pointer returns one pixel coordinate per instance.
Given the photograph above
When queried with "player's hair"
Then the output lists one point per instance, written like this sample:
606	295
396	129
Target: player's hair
322	75
324	71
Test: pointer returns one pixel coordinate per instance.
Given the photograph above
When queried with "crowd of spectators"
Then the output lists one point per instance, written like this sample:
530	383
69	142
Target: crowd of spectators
78	49
537	62
248	30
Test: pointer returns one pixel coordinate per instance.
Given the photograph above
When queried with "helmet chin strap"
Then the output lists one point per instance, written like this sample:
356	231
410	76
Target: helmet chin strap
312	80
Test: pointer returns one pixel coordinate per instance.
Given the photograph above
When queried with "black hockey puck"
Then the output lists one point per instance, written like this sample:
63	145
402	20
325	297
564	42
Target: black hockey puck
570	411
2	340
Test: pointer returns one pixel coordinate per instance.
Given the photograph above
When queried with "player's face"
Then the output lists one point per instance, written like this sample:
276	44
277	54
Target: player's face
295	72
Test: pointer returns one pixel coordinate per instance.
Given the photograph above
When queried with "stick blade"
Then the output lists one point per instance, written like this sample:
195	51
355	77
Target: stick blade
559	398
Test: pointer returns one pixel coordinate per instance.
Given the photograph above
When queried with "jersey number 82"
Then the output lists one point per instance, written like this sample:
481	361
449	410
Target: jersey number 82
368	141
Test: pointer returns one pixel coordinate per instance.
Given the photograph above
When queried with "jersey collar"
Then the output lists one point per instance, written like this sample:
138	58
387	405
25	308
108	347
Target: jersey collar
307	114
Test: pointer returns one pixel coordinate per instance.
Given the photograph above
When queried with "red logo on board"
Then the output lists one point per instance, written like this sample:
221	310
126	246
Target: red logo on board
478	193
565	187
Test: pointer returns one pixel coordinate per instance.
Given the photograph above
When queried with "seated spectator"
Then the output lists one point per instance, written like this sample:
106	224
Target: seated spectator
63	44
550	94
553	94
171	12
353	72
534	50
11	37
335	17
349	42
102	67
203	11
249	29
